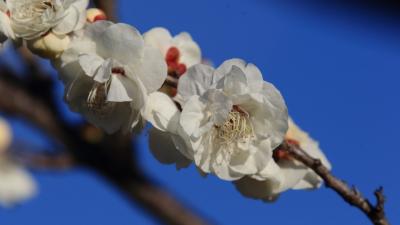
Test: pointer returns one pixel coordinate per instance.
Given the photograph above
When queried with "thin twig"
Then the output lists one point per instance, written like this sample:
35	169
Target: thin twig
351	195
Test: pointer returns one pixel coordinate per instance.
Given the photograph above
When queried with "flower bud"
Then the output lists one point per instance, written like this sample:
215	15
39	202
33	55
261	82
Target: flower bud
49	46
95	14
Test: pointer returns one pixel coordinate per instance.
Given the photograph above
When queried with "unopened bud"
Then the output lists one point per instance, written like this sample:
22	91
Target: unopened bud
49	46
95	14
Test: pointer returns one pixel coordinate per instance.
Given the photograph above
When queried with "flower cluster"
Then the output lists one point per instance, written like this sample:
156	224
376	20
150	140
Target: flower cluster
227	121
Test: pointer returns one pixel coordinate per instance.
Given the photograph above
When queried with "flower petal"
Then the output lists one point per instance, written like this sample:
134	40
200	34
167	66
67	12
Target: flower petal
90	63
162	112
15	184
159	38
69	21
152	70
189	50
122	89
5	26
251	188
192	115
235	82
163	149
121	42
196	81
226	66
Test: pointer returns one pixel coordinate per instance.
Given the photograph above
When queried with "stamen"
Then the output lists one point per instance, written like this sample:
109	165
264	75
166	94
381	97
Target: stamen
97	99
237	127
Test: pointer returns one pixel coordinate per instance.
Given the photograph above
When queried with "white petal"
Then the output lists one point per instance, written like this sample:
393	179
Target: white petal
90	63
5	26
226	66
122	89
15	184
310	181
293	174
196	81
104	72
254	78
308	144
182	143
76	48
121	42
164	150
162	112
189	50
219	105
223	171
69	22
159	38
94	31
81	5
235	82
192	115
251	188
152	70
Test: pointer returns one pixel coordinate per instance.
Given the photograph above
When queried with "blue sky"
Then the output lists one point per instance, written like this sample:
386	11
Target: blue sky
338	70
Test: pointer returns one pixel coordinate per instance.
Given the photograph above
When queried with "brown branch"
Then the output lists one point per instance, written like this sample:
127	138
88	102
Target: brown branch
108	6
351	195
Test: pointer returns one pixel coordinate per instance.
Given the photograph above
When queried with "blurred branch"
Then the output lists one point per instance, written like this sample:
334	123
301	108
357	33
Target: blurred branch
45	160
108	6
112	156
352	195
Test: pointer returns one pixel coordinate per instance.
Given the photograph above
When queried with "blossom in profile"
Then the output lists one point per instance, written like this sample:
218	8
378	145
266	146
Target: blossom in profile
296	175
16	184
108	73
231	120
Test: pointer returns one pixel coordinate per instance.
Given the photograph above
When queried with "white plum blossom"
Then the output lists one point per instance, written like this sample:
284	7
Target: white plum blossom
108	73
231	120
295	175
31	19
45	25
180	52
16	184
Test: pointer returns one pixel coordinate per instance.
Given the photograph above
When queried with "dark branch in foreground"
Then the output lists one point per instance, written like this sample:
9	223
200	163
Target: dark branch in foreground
352	195
111	156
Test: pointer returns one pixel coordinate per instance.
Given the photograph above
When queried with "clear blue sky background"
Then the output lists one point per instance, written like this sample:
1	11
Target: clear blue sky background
339	70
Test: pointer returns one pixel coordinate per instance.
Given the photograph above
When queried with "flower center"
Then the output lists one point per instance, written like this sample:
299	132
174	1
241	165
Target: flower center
97	99
237	127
